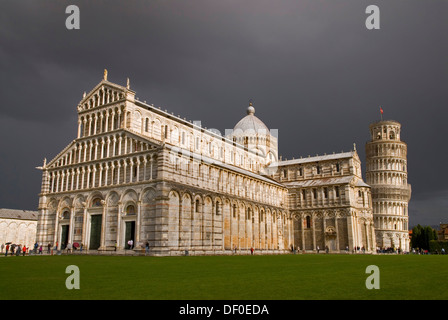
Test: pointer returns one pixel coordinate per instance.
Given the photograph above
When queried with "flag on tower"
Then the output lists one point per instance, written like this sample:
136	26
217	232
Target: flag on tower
381	110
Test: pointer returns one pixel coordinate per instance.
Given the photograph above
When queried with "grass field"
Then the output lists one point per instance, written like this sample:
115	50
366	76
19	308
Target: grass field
277	277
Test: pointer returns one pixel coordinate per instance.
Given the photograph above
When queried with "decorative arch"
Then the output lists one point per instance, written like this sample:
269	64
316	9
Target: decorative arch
65	202
130	195
52	205
173	218
198	201
185	220
174	135
148	195
93	196
78	201
218	205
112	199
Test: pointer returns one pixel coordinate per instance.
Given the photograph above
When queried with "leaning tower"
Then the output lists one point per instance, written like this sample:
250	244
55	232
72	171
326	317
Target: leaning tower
386	173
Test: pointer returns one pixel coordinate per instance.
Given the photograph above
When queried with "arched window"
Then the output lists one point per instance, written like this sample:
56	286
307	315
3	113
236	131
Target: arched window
128	120
115	122
130	209
96	202
197	205
218	208
66	215
308	221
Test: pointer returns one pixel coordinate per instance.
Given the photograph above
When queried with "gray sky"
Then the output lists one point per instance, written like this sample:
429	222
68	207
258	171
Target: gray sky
312	69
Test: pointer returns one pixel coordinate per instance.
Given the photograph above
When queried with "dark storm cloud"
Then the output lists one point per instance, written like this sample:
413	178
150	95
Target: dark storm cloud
313	70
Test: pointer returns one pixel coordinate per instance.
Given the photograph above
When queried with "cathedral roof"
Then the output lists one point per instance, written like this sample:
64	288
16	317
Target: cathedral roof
222	164
18	214
333	156
327	181
250	124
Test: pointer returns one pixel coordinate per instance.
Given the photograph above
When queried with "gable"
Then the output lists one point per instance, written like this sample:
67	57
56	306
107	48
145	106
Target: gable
104	93
102	147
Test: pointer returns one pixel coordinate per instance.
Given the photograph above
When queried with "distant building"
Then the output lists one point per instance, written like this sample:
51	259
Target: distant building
442	234
18	227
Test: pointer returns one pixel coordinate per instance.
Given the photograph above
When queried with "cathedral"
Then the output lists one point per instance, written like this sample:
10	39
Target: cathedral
140	177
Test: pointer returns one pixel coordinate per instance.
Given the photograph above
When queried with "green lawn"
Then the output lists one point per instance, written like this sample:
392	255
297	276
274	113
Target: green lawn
283	277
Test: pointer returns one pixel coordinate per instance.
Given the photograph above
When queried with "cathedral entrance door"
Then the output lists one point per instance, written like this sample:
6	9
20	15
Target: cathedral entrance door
64	236
130	233
95	231
331	244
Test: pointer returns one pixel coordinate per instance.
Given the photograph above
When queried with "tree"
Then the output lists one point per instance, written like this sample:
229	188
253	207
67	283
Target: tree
416	236
421	236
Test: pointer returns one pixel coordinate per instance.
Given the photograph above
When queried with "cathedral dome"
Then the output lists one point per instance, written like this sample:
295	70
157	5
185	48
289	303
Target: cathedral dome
250	124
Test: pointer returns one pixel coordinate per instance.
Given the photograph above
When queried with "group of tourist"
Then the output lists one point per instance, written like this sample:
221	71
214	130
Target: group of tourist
389	250
14	249
425	251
